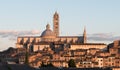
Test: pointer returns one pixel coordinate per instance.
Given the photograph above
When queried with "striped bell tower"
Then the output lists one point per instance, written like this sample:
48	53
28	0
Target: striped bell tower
56	24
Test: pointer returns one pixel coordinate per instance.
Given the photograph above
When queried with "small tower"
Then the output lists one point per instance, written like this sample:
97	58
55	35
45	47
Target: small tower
56	24
84	36
47	26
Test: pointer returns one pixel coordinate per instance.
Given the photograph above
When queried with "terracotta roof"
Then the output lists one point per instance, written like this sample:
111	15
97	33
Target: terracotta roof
88	44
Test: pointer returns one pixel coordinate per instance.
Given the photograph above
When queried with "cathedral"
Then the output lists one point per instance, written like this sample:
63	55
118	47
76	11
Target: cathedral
50	38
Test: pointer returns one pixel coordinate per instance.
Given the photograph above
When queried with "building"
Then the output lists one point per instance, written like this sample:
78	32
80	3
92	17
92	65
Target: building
50	47
52	39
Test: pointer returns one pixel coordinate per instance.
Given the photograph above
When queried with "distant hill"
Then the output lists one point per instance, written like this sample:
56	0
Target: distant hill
9	50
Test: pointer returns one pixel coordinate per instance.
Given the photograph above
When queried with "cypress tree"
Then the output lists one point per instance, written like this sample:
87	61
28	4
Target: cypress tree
71	63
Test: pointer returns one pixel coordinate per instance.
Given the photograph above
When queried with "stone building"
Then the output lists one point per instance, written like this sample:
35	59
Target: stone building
52	39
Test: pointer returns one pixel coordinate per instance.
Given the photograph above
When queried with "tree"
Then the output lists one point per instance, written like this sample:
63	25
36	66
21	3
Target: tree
27	58
71	63
48	65
0	60
42	65
9	68
26	54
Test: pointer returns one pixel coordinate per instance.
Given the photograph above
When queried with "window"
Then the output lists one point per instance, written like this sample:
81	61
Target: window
112	63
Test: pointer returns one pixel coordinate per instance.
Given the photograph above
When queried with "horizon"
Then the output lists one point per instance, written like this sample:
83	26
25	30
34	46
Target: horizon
29	18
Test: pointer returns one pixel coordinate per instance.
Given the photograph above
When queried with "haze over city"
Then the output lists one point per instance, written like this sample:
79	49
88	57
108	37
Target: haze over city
28	17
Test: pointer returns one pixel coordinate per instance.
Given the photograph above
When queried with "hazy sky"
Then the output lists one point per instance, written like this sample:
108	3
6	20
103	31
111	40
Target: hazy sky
29	17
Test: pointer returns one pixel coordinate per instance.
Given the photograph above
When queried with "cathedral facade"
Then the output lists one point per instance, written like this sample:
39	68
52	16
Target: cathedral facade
51	39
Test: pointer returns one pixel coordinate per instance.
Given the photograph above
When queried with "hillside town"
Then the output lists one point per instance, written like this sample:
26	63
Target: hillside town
84	58
51	48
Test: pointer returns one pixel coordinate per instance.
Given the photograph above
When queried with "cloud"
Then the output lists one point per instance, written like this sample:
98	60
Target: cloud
103	37
12	35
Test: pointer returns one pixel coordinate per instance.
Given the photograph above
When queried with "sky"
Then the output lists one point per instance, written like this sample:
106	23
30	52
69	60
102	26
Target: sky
29	17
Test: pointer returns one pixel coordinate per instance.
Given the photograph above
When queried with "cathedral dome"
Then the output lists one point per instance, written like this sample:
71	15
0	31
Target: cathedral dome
48	33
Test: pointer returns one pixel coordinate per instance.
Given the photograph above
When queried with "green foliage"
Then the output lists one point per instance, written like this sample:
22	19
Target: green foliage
0	60
48	65
71	63
42	65
27	58
9	68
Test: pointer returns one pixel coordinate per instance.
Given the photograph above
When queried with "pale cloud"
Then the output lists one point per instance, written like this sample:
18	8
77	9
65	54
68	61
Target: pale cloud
12	35
103	37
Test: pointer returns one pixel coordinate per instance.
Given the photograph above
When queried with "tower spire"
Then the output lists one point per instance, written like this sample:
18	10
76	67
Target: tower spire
84	35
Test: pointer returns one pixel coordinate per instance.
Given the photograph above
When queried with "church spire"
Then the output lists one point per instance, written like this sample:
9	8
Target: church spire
84	35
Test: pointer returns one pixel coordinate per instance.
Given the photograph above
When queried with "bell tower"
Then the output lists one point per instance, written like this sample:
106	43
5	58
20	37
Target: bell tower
56	24
84	36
